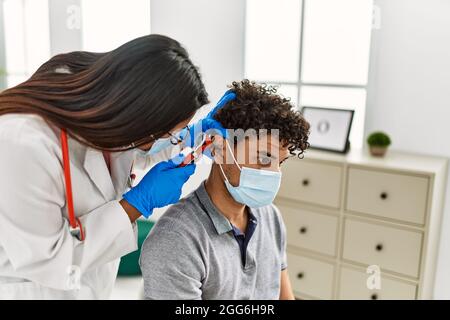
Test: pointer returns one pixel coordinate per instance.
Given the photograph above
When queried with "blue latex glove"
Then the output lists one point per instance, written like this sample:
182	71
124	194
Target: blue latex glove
228	96
160	187
209	123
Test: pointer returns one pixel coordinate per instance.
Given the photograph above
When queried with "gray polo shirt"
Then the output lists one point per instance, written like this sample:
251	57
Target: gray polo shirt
192	253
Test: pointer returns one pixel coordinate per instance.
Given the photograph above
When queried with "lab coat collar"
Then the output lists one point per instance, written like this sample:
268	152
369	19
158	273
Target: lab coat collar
121	166
95	165
109	185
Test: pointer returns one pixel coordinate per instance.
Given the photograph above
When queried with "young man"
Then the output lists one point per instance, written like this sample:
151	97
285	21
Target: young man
226	240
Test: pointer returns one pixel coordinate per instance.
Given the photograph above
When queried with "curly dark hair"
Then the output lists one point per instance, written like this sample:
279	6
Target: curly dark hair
258	106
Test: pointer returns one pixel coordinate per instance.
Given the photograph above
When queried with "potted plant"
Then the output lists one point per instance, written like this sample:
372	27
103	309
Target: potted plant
378	143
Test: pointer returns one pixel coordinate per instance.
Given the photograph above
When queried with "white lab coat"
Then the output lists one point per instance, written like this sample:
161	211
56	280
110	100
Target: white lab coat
39	258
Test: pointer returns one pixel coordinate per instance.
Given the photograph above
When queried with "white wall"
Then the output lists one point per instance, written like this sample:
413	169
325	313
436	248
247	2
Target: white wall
2	52
212	31
409	90
62	38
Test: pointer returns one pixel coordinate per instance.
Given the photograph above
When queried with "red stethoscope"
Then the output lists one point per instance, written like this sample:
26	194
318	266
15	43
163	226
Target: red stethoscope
76	228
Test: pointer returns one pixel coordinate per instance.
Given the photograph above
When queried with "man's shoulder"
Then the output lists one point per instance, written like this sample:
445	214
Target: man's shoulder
185	217
270	211
271	216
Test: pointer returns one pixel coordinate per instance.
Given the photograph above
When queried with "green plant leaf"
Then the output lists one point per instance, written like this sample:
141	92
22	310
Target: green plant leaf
379	139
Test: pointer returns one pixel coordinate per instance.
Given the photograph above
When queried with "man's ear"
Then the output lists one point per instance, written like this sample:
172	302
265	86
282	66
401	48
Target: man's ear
217	149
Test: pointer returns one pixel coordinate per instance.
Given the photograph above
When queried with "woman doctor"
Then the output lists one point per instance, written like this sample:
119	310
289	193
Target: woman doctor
68	136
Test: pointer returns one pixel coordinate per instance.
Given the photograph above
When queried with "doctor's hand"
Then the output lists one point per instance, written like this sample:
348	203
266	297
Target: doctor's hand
209	124
160	187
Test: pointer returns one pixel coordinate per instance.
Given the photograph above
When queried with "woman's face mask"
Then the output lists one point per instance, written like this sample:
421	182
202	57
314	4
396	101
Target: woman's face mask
257	187
164	143
159	145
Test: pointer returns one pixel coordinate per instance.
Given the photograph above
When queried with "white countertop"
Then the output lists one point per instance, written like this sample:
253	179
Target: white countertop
393	159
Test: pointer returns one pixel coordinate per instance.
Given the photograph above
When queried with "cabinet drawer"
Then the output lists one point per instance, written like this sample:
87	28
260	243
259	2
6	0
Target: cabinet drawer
389	195
353	286
311	277
390	248
312	182
310	230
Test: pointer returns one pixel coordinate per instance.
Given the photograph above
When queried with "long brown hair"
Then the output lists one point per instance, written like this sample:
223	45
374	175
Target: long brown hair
114	100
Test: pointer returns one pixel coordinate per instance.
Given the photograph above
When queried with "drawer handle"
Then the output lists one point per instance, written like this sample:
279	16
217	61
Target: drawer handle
374	296
379	247
303	230
384	195
305	182
300	275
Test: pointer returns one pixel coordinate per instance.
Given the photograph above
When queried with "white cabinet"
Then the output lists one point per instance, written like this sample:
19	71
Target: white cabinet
396	196
311	230
393	249
311	277
312	182
354	287
348	214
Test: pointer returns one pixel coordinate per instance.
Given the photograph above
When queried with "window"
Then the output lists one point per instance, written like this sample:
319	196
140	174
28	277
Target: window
273	39
26	38
316	51
107	24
